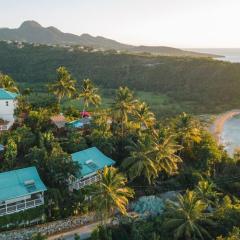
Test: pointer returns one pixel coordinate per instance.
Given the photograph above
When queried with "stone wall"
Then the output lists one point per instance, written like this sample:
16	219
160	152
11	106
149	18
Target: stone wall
49	228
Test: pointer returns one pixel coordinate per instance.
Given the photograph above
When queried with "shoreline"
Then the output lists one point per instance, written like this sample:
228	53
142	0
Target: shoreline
217	126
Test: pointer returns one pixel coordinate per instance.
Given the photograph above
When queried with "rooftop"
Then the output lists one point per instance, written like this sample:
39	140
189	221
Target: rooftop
91	160
59	120
6	95
20	183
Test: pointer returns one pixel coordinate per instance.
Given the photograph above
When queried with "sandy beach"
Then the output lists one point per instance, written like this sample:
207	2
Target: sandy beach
218	124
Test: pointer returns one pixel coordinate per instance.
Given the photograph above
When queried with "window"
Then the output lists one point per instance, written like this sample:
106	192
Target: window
6	103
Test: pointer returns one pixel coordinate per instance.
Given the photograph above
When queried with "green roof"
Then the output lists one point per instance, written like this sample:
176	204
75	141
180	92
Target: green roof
6	95
91	160
20	183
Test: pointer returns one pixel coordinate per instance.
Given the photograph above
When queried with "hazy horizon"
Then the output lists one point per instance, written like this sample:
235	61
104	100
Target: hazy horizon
174	23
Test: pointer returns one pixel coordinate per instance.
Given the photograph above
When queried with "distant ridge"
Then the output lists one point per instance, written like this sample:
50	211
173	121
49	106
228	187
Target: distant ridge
32	31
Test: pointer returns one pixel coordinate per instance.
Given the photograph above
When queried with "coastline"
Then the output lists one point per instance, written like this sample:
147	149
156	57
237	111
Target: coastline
217	126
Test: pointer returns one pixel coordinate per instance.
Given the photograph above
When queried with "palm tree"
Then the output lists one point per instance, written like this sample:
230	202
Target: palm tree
122	106
141	161
143	117
165	151
150	155
206	192
64	86
187	217
188	130
8	83
89	94
111	192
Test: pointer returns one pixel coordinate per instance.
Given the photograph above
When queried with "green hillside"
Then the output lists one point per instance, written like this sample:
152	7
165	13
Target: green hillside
203	84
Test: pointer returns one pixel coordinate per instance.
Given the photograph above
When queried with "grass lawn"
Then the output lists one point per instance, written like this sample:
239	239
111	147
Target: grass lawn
162	105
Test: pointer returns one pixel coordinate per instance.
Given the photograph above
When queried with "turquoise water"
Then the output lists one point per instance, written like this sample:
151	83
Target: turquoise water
76	124
231	134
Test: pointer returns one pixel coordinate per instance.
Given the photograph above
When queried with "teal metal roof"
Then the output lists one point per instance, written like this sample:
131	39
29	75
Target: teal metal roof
20	183
91	160
6	95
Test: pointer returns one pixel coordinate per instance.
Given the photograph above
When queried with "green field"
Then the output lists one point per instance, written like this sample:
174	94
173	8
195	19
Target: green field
160	104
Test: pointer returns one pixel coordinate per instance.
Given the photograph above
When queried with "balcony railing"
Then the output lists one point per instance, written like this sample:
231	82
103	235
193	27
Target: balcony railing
8	209
82	183
3	127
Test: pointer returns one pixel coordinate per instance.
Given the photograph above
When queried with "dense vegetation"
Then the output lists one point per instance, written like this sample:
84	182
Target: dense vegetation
202	85
153	157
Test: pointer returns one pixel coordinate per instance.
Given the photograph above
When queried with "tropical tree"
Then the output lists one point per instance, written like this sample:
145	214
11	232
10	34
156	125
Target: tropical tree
122	107
227	214
8	83
111	192
188	130
206	191
143	117
89	94
233	235
101	135
150	155
187	217
165	151
10	152
64	86
141	161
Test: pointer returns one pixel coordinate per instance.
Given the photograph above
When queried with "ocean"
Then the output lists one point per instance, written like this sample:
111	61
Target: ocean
230	54
231	131
230	136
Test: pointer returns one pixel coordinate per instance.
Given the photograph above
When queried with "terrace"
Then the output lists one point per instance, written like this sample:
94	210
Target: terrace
91	161
81	183
4	125
34	200
20	190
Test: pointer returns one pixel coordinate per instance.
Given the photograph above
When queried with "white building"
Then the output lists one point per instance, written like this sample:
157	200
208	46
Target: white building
8	103
20	190
91	161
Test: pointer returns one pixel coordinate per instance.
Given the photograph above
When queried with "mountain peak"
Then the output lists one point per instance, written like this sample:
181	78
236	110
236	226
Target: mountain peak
31	24
32	31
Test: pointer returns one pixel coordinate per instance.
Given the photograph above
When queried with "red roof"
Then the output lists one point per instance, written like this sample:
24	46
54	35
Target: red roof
85	114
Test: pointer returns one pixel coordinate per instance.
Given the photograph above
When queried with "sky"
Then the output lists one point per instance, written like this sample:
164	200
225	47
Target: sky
175	23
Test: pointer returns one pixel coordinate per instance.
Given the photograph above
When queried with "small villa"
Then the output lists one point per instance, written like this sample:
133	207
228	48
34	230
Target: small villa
59	121
20	190
91	161
8	103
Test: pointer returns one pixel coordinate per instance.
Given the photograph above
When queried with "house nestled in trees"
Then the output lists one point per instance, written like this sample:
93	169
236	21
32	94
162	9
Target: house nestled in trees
59	121
8	103
91	161
20	190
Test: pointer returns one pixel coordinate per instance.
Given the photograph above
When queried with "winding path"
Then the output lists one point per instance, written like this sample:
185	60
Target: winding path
218	124
84	232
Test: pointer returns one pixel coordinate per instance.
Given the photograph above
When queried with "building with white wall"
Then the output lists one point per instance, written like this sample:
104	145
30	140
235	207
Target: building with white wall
20	190
91	160
8	103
